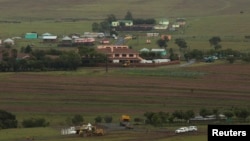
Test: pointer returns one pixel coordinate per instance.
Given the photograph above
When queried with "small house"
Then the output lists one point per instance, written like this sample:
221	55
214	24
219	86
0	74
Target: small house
9	41
31	35
84	41
181	21
152	34
164	22
105	41
144	50
119	53
122	22
160	27
66	41
161	51
49	39
46	34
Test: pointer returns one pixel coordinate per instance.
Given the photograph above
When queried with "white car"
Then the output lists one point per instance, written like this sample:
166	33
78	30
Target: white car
181	130
192	128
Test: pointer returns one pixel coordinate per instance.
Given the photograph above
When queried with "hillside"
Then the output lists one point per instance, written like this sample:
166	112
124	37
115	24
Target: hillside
99	9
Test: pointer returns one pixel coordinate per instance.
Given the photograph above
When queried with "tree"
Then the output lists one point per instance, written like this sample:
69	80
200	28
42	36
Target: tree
172	55
39	54
95	27
13	60
128	16
241	113
205	112
28	49
71	60
182	44
178	114
228	114
108	119
34	122
163	42
189	114
231	59
214	42
98	119
195	54
77	119
104	26
110	18
156	119
7	120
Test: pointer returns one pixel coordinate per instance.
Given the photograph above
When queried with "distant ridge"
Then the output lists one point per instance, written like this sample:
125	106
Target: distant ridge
99	9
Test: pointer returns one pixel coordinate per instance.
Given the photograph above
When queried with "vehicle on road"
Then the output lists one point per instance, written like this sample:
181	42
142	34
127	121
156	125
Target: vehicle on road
192	128
181	130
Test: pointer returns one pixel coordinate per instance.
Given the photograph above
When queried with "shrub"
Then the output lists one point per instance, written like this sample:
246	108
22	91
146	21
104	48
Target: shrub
77	119
156	119
7	120
108	119
231	59
34	122
98	119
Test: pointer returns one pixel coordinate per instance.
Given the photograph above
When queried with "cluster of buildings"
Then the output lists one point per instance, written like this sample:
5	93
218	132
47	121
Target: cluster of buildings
116	53
163	24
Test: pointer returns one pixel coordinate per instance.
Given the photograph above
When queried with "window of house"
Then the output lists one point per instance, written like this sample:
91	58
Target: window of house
124	55
131	55
116	55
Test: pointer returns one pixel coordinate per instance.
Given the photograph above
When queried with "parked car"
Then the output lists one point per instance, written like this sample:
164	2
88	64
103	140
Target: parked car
192	128
181	130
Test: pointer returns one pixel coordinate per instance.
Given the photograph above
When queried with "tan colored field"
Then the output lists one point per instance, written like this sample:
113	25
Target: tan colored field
99	93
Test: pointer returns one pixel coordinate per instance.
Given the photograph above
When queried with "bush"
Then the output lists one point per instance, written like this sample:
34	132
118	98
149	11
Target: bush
108	119
98	119
35	122
77	119
231	59
139	120
156	119
7	120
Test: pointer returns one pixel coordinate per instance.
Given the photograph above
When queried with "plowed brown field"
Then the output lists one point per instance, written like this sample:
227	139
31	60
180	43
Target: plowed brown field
223	86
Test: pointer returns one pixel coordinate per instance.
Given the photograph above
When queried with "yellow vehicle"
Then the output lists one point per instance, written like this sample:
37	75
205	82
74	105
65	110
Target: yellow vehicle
124	120
128	37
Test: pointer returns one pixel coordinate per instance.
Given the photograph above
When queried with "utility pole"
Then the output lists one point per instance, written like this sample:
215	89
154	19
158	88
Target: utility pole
106	63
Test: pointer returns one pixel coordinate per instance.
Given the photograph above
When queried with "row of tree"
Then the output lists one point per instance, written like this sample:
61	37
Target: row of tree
161	118
229	54
8	120
51	60
44	60
182	44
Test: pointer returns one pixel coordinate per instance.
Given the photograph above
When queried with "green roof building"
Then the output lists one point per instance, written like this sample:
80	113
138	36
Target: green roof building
31	36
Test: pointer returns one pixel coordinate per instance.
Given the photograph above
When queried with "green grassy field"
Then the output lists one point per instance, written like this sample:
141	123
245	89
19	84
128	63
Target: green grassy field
52	134
98	9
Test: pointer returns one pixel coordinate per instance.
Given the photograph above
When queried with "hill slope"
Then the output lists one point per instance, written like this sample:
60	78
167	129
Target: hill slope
98	9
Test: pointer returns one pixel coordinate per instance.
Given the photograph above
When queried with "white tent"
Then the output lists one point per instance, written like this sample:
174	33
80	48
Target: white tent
9	41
